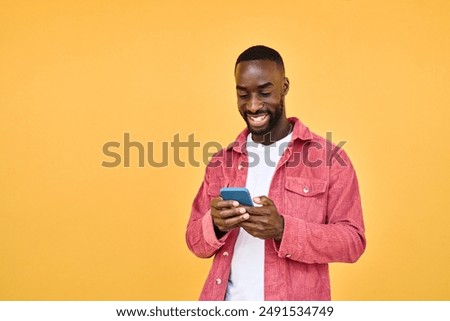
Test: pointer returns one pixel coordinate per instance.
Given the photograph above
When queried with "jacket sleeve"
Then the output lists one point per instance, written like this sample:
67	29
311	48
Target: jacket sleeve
200	236
341	238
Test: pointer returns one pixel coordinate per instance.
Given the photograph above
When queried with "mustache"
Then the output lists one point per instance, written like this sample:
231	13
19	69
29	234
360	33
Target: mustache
259	112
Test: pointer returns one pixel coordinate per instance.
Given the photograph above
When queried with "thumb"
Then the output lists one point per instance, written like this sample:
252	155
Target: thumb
264	200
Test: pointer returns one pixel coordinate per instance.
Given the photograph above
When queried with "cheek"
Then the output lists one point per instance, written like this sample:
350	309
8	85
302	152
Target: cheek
274	99
241	108
274	102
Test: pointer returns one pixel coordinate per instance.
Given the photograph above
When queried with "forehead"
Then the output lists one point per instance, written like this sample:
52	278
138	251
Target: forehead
257	71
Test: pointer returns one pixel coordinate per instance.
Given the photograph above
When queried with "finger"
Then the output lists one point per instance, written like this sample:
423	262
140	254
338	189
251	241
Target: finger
251	228
263	200
215	200
235	221
225	204
258	210
224	214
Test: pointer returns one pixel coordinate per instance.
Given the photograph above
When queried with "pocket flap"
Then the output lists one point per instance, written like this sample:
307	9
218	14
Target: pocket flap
305	186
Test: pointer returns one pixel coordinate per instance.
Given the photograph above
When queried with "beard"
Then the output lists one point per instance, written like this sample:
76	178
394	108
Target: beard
274	118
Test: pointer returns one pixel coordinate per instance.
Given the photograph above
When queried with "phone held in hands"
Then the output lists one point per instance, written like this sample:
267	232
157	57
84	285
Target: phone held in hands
240	194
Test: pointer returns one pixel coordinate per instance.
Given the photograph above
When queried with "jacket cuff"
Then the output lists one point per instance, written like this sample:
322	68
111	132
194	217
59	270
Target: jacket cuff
291	244
208	232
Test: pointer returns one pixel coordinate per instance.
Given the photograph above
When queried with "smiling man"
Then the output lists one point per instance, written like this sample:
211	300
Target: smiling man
307	210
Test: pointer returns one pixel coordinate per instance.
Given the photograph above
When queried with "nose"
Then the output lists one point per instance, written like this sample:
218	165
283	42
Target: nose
254	104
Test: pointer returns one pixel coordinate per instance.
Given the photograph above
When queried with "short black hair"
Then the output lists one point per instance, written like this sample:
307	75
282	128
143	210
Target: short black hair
261	53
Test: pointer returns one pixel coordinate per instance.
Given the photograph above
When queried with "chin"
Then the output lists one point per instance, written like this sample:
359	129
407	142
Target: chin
260	131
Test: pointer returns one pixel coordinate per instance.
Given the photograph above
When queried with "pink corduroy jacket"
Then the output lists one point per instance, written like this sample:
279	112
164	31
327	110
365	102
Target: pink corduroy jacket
316	191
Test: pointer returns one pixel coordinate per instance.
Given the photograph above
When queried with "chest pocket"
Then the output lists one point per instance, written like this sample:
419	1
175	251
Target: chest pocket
306	198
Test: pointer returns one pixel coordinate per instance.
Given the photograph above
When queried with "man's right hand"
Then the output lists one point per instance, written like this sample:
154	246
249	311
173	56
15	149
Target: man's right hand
226	215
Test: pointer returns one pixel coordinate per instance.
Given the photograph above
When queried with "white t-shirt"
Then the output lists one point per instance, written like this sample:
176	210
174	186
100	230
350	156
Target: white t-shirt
246	282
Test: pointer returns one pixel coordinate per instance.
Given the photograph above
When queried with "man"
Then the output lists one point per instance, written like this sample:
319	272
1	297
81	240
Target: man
307	209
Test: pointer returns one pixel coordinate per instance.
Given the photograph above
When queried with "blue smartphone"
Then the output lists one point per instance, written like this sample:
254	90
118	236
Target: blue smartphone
240	194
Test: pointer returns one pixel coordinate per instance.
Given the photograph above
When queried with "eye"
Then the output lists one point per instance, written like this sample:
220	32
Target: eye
242	95
265	93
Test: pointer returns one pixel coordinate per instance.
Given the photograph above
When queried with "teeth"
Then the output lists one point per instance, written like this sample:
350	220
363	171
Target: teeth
258	118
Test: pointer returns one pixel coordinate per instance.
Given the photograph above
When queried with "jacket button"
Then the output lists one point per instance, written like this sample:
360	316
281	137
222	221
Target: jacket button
305	189
218	281
288	256
240	167
225	253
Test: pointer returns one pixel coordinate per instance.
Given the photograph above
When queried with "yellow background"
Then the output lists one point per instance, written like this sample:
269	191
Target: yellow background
77	74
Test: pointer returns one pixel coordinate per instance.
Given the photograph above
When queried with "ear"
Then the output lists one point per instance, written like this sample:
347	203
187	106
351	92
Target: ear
285	86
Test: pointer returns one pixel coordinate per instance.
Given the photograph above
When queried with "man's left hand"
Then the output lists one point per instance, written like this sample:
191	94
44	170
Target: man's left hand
264	222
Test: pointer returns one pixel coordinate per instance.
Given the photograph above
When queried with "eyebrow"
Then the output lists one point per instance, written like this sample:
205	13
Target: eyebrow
265	85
